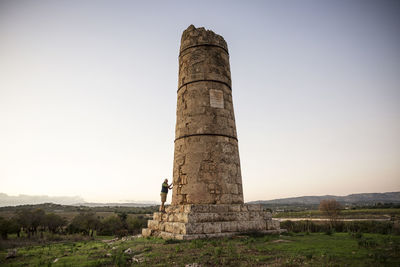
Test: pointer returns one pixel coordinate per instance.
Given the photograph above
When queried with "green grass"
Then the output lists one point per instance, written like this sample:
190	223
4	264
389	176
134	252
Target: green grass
345	214
338	249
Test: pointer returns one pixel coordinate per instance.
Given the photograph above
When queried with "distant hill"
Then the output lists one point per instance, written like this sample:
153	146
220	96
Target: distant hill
364	198
6	200
128	204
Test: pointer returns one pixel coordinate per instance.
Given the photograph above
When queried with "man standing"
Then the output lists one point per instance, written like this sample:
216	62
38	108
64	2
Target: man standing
164	192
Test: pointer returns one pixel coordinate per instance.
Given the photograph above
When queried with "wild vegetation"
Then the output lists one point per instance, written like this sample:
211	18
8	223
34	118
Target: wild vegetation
292	249
35	225
38	237
379	227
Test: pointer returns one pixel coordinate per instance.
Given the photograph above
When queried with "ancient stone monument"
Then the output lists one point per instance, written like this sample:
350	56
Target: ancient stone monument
207	199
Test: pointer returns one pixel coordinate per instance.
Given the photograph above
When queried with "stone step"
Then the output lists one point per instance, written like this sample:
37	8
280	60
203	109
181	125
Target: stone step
193	217
167	235
209	227
212	208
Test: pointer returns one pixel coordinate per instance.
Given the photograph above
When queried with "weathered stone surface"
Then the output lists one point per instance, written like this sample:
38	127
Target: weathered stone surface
229	226
212	227
200	221
206	157
194	228
153	224
146	232
273	225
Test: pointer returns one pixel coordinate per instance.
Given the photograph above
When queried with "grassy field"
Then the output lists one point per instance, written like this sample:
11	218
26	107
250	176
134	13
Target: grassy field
344	214
316	249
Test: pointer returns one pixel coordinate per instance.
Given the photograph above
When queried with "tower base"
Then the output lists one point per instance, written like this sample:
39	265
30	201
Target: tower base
194	221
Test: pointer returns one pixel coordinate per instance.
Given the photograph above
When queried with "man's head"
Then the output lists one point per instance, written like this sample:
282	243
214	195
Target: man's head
166	181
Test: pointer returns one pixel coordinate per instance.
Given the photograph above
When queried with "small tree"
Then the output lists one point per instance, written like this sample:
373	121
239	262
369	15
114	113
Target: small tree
8	226
135	224
331	208
55	222
85	222
111	226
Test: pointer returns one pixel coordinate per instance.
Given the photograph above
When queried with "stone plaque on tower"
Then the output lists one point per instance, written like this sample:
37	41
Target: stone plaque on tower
207	198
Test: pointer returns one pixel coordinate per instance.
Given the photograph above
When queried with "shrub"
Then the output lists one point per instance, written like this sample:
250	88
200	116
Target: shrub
85	222
111	226
135	224
367	242
8	226
379	227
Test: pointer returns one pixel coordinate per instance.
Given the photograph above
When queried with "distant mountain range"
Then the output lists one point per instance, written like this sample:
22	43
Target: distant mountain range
6	200
364	198
127	204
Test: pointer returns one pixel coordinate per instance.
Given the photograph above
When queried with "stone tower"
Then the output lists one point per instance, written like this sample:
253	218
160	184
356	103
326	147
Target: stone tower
206	160
207	199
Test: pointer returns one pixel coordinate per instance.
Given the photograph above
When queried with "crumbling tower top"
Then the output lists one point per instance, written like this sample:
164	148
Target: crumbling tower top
193	36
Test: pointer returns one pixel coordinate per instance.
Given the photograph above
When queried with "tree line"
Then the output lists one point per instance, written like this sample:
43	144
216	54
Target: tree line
35	222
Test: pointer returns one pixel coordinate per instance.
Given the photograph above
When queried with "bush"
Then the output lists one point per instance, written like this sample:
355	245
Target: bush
85	223
367	242
378	227
8	226
135	224
111	226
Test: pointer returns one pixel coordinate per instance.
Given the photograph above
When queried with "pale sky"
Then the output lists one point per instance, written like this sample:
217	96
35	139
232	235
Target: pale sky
88	95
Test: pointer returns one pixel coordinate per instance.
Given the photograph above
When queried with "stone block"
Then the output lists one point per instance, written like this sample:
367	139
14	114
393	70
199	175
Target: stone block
194	228
212	227
233	189
243	216
255	215
226	198
229	226
267	215
219	235
161	226
152	224
257	225
169	227
234	207
254	207
237	198
200	208
191	237
187	208
219	208
201	217
146	232
157	216
182	217
179	228
166	235
169	208
273	225
226	216
276	224
243	226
